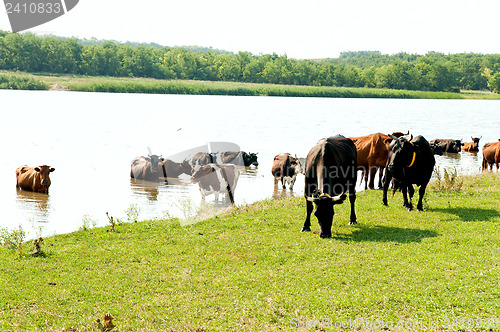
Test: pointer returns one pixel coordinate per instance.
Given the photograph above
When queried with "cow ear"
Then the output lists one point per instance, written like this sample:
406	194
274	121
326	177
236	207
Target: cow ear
52	169
37	169
388	141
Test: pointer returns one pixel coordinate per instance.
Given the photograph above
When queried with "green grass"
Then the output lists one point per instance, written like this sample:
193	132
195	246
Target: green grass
21	82
146	85
253	270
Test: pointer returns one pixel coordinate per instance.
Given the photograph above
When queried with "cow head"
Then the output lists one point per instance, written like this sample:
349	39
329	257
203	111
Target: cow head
475	140
437	149
43	172
401	155
398	134
250	159
295	163
155	161
324	211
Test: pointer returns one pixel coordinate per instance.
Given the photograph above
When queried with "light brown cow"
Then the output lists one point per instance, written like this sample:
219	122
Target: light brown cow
491	155
148	168
472	146
372	156
34	178
285	169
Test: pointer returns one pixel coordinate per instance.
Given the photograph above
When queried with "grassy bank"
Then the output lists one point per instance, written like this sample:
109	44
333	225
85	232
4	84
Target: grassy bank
21	82
252	269
143	85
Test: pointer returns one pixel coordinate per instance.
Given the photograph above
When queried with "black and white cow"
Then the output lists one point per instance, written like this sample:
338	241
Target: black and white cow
217	179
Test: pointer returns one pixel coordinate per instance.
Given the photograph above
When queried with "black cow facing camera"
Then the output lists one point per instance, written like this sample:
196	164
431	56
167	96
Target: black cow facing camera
411	161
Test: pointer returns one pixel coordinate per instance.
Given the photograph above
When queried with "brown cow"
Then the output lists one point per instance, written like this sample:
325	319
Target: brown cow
216	179
174	169
372	156
285	169
472	146
491	155
148	168
34	178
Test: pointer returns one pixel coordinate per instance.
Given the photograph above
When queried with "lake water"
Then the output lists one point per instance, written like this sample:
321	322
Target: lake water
91	138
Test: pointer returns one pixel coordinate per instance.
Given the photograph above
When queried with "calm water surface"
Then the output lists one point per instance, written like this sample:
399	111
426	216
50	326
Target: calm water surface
91	138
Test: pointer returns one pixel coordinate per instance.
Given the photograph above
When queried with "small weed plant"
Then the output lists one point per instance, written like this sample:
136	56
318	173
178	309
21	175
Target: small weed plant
88	223
133	212
12	239
450	180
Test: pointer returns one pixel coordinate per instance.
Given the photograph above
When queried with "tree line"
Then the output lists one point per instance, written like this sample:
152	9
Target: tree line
430	72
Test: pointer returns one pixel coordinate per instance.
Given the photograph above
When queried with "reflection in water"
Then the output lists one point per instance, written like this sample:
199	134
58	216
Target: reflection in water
282	193
249	171
465	162
147	189
37	204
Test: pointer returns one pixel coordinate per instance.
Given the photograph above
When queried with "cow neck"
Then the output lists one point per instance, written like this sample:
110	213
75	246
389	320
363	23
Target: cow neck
412	159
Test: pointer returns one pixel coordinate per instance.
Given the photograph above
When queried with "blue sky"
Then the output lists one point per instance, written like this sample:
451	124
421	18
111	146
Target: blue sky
300	29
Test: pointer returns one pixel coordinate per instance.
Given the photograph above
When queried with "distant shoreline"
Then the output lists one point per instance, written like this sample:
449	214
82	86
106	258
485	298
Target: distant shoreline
45	81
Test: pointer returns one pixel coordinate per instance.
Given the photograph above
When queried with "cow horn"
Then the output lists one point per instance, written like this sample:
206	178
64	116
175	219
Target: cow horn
408	133
393	137
335	199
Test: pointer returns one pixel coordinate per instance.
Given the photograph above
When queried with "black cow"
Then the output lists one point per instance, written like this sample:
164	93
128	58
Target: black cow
410	162
436	149
331	171
449	145
239	158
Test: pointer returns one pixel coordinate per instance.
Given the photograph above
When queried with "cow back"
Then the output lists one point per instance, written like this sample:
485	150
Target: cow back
330	166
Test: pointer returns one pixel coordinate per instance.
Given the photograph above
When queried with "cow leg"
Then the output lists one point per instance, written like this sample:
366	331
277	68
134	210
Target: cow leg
365	176
352	200
411	192
275	181
380	176
372	171
307	223
387	181
404	190
421	193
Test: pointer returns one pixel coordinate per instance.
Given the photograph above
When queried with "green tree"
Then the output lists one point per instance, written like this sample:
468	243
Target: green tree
494	83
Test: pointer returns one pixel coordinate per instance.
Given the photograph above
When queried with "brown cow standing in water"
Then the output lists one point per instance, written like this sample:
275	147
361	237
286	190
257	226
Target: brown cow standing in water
285	169
148	168
472	146
34	178
491	155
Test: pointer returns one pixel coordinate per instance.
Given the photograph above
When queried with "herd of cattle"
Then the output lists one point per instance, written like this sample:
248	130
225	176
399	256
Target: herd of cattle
330	170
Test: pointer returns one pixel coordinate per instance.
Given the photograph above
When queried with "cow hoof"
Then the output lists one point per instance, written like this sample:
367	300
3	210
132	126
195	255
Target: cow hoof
305	229
353	222
325	236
